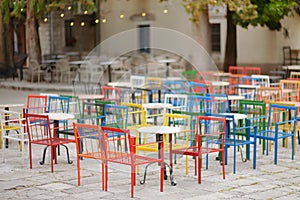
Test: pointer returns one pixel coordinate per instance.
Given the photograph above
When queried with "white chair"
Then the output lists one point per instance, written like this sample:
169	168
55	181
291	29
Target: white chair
13	128
63	70
137	81
35	70
261	80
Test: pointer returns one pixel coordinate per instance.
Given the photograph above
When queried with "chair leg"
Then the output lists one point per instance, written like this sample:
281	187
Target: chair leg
78	171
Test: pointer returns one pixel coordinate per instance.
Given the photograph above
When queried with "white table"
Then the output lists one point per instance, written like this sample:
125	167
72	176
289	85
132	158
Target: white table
90	96
159	131
120	84
108	63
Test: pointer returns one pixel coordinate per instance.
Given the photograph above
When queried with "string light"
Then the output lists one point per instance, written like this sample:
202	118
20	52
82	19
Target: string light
46	19
97	21
104	20
144	14
69	7
82	23
165	10
122	15
62	15
85	12
72	23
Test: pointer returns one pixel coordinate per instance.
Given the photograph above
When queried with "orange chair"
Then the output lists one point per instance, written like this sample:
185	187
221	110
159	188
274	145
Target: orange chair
119	148
111	94
236	70
252	70
290	90
88	145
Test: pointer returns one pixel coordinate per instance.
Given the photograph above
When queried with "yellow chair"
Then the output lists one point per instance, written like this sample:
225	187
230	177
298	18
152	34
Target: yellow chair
290	90
12	128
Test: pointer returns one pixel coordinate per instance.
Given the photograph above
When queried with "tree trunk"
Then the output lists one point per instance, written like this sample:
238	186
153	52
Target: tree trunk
231	44
32	34
6	46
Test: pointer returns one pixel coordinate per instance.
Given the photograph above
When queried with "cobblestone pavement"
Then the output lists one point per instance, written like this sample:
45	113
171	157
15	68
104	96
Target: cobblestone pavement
268	181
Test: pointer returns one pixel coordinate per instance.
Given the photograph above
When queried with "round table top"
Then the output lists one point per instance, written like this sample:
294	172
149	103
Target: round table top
60	116
236	116
11	105
160	129
90	96
157	105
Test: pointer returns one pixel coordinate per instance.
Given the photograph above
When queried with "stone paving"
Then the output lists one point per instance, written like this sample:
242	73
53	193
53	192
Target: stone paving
268	181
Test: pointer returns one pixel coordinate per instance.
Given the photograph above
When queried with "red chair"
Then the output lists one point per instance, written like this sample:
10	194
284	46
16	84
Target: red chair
252	70
236	70
36	104
119	147
40	133
111	94
209	138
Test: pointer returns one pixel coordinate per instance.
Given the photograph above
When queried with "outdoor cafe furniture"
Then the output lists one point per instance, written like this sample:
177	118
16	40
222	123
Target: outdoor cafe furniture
119	148
40	133
159	144
281	124
12	128
209	138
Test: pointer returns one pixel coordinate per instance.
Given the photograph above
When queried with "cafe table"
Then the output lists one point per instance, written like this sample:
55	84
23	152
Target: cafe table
56	117
159	132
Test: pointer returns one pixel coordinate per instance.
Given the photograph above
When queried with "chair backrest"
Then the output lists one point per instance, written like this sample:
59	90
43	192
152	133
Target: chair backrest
178	120
179	101
252	70
220	103
295	75
75	106
287	51
282	115
93	113
176	86
118	144
236	70
136	115
196	87
38	127
200	104
111	94
255	111
10	121
81	87
36	104
211	132
290	90
89	141
261	80
137	81
115	116
268	94
58	104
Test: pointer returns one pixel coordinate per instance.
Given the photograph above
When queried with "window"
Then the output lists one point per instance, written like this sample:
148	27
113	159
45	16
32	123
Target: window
144	38
216	37
69	37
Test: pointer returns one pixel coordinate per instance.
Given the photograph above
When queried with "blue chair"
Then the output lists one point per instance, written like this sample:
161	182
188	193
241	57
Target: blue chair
238	136
115	116
281	125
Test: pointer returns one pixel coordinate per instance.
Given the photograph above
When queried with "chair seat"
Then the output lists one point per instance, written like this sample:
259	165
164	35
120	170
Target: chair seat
126	158
55	141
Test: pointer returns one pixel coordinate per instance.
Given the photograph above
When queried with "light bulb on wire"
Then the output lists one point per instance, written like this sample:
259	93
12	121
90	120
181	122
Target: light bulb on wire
144	14
165	10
